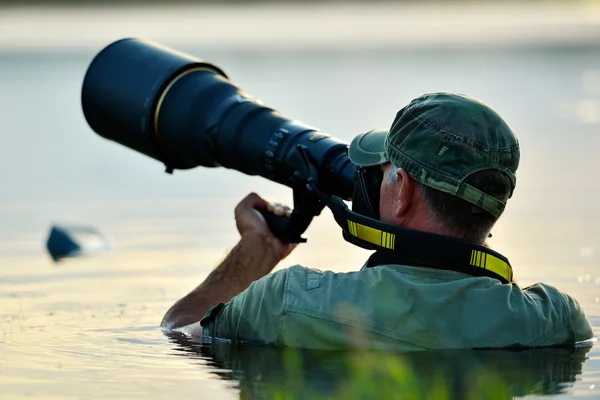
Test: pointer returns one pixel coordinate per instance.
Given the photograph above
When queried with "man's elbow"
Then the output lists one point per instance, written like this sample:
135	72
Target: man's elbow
171	321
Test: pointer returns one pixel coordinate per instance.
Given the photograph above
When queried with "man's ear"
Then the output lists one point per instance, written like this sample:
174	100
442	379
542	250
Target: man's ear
405	195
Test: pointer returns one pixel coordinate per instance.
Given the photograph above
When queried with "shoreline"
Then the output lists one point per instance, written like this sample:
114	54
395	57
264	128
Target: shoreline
295	27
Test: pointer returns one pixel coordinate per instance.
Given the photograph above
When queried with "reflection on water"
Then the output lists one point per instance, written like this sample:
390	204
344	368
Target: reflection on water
273	373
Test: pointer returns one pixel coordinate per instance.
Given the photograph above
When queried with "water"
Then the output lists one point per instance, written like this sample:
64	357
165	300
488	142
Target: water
87	328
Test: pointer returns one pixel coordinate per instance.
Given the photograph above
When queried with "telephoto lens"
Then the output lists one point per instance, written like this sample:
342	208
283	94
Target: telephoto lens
186	113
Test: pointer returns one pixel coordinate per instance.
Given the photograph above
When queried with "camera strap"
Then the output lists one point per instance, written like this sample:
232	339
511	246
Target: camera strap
396	245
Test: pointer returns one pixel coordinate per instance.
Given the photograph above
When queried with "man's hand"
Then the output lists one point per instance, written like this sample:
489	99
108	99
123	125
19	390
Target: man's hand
249	221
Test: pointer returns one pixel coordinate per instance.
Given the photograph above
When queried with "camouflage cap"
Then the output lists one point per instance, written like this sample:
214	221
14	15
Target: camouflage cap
442	138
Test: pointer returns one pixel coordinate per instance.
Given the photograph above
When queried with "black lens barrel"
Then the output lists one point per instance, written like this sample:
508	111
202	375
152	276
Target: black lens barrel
122	85
186	113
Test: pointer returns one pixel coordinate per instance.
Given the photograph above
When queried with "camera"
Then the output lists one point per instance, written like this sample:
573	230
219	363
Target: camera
186	113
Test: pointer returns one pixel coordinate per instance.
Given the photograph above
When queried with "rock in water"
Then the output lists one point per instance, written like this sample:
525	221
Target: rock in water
73	241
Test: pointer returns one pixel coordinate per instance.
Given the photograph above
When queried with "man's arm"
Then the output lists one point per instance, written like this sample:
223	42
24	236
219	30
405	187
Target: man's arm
256	254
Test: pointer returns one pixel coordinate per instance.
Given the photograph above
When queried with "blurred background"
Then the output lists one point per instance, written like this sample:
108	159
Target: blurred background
344	67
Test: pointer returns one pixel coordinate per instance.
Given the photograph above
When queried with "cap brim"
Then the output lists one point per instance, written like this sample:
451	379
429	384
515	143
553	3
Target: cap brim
368	149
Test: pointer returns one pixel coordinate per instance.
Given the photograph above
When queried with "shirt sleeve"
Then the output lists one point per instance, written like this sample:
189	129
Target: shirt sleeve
569	321
579	322
253	316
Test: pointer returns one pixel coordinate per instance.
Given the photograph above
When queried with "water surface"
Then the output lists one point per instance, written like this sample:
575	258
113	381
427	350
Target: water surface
88	327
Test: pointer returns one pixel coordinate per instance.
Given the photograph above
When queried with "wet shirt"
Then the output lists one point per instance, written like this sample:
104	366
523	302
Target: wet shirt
396	307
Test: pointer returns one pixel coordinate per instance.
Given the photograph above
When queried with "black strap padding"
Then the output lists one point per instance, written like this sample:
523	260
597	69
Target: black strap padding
413	247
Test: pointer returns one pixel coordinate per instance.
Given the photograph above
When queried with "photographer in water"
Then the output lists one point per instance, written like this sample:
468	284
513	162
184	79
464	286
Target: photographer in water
425	196
448	166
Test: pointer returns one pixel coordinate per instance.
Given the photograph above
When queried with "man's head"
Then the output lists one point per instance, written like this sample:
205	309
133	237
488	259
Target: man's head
449	165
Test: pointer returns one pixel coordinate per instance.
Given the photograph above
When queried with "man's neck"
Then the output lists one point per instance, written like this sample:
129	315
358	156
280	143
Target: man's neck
427	223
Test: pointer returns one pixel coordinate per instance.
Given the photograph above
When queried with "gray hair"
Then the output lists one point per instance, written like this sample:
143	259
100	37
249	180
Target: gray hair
392	175
455	215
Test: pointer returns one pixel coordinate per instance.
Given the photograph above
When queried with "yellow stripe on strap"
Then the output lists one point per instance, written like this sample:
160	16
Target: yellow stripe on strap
351	228
498	266
388	240
372	235
491	263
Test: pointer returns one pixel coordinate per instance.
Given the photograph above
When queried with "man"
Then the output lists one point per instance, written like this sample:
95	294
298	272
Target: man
449	165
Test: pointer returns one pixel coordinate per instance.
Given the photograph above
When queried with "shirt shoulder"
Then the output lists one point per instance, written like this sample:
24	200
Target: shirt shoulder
571	322
253	316
404	308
